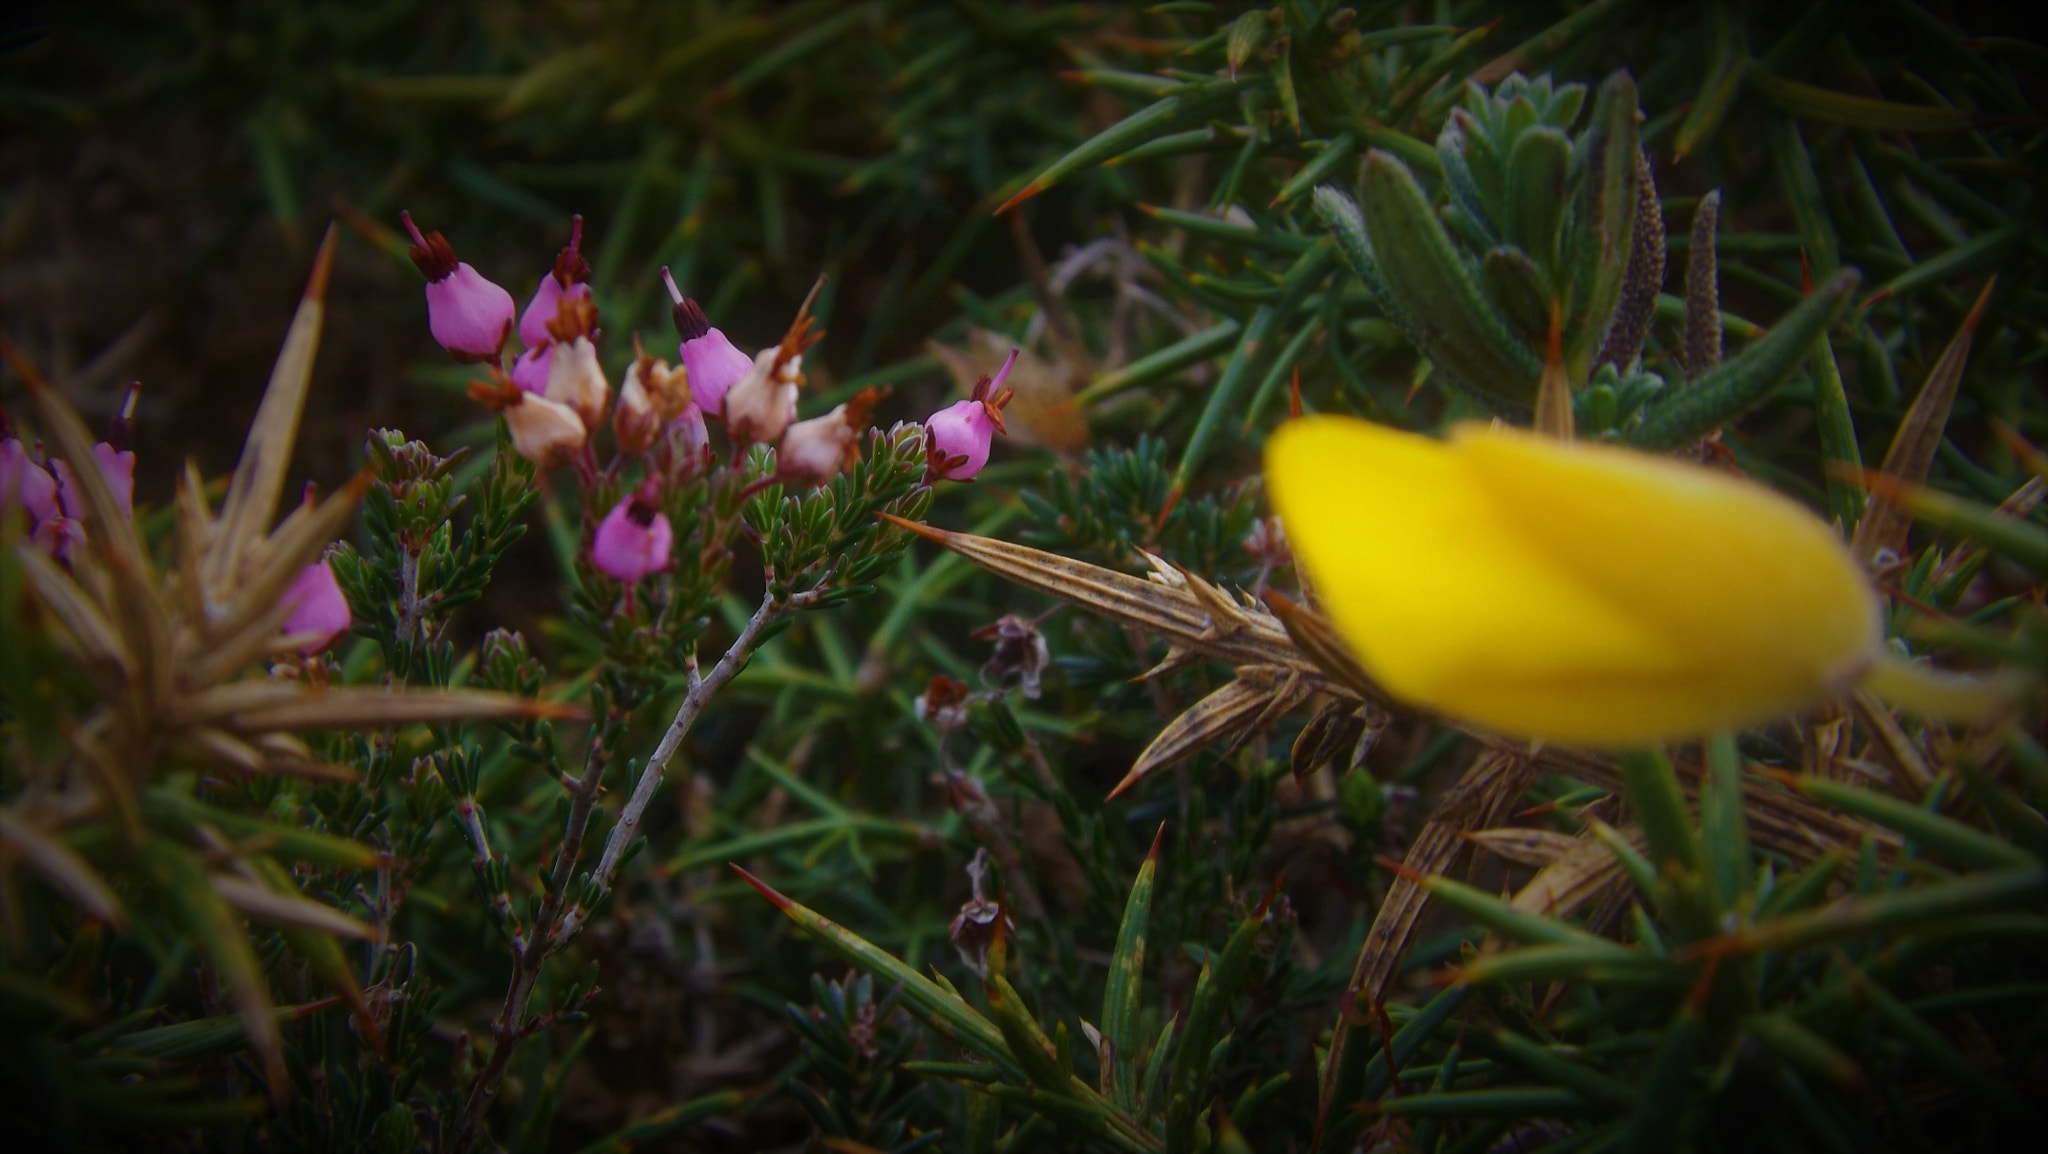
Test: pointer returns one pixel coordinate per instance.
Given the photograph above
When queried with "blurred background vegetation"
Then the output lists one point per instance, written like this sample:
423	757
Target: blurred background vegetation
168	168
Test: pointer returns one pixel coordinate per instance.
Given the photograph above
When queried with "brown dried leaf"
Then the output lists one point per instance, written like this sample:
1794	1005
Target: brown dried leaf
1314	636
1489	787
1524	845
1883	525
1166	606
1260	695
1577	877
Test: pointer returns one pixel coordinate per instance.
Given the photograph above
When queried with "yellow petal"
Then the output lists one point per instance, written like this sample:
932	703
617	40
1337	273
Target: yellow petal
1575	593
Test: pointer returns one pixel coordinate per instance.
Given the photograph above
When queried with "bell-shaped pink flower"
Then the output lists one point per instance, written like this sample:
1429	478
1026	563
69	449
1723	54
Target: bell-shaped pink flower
530	371
468	315
712	363
569	278
957	437
318	608
25	483
813	452
634	538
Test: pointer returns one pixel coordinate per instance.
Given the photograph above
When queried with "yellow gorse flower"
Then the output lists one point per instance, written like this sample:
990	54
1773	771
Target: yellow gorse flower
1573	593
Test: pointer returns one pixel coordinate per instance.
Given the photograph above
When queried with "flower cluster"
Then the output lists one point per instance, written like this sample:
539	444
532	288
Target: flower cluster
554	397
52	498
47	491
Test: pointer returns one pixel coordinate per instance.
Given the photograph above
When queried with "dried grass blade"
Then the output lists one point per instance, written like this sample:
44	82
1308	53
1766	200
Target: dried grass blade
61	866
259	474
266	904
352	708
90	631
1883	525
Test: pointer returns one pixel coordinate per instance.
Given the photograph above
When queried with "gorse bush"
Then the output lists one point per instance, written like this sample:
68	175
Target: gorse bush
1486	595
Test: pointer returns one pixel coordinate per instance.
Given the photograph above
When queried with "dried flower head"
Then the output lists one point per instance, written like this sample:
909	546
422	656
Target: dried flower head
814	451
980	921
760	405
543	431
943	704
1020	656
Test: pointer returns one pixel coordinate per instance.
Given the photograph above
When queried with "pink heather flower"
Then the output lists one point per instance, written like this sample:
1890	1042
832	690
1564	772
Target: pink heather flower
633	539
570	277
467	314
530	371
711	362
957	437
25	483
116	466
318	609
812	452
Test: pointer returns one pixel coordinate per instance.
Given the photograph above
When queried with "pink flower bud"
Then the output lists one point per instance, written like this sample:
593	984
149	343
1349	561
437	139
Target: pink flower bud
569	278
25	483
117	467
633	539
689	440
812	452
468	315
957	437
530	371
576	379
711	362
318	609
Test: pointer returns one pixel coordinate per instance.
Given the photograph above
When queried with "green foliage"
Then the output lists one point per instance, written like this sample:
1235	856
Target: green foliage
1236	206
